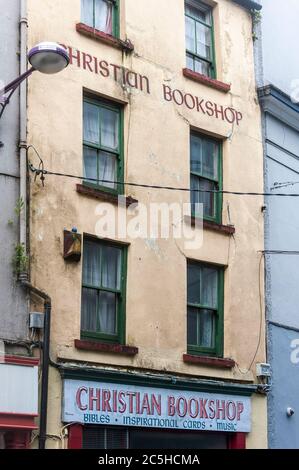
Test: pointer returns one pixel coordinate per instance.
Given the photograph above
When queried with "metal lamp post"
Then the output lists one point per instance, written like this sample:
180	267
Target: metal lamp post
46	57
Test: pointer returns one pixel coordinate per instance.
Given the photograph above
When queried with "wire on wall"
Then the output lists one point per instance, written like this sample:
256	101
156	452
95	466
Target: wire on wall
42	173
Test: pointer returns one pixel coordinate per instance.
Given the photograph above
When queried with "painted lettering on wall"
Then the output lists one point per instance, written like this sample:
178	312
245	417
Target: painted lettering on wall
141	82
108	70
209	108
99	403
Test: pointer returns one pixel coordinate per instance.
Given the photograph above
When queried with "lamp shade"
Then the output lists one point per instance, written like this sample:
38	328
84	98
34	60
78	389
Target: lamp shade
48	57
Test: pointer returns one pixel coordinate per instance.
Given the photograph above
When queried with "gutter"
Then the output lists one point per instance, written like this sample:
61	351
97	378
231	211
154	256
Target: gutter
23	124
249	4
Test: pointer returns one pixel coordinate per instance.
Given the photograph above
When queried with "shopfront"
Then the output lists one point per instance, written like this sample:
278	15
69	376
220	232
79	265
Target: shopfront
18	401
111	415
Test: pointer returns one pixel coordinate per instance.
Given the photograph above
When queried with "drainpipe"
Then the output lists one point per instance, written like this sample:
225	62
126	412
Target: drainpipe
46	358
23	124
23	228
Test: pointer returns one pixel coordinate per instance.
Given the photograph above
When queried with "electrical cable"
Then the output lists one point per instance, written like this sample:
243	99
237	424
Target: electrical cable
261	323
42	172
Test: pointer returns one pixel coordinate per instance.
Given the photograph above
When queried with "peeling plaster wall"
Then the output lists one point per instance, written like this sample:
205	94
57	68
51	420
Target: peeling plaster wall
156	151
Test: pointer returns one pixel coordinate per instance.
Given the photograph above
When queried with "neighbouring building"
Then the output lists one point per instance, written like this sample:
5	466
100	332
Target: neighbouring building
18	369
278	81
154	341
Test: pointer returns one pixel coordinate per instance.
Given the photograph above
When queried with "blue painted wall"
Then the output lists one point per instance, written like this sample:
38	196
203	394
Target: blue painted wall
276	64
284	430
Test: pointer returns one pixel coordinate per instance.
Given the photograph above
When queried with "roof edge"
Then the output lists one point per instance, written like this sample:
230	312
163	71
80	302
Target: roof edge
249	4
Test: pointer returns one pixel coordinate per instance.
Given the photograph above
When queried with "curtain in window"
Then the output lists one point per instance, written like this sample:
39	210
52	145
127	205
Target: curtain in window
205	198
190	34
89	310
202	291
92	264
209	159
91	128
203	37
209	287
109	128
111	268
107	312
101	270
87	12
103	16
206	320
90	162
107	169
204	157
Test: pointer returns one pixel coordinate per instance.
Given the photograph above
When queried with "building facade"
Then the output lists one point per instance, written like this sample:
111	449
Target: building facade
154	341
18	369
278	93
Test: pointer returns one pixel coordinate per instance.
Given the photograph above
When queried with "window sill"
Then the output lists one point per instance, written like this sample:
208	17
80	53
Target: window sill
106	347
98	193
216	362
213	226
211	82
105	38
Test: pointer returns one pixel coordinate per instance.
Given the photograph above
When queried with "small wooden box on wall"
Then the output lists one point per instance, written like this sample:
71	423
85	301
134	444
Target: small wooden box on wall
72	247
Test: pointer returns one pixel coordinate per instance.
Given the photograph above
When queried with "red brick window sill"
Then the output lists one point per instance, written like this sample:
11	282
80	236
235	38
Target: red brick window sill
98	193
216	362
211	82
106	347
104	37
213	226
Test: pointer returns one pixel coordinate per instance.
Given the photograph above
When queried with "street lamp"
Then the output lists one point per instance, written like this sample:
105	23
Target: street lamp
46	57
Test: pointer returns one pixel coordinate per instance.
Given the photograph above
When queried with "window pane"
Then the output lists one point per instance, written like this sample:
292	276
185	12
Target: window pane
111	267
190	62
205	198
107	169
196	154
90	162
209	287
193	280
91	131
87	12
200	66
92	264
103	16
190	34
109	128
207	329
89	310
107	312
192	326
210	159
203	41
199	12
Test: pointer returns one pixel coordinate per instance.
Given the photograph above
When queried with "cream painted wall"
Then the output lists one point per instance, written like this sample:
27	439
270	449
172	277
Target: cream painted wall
156	151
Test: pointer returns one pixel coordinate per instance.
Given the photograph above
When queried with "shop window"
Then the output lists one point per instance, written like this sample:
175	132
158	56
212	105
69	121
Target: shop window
205	309
206	175
199	38
103	291
102	145
101	15
96	437
99	437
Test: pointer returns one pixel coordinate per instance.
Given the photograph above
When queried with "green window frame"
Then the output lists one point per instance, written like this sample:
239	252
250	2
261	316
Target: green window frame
200	54
108	23
205	309
103	160
103	303
206	174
